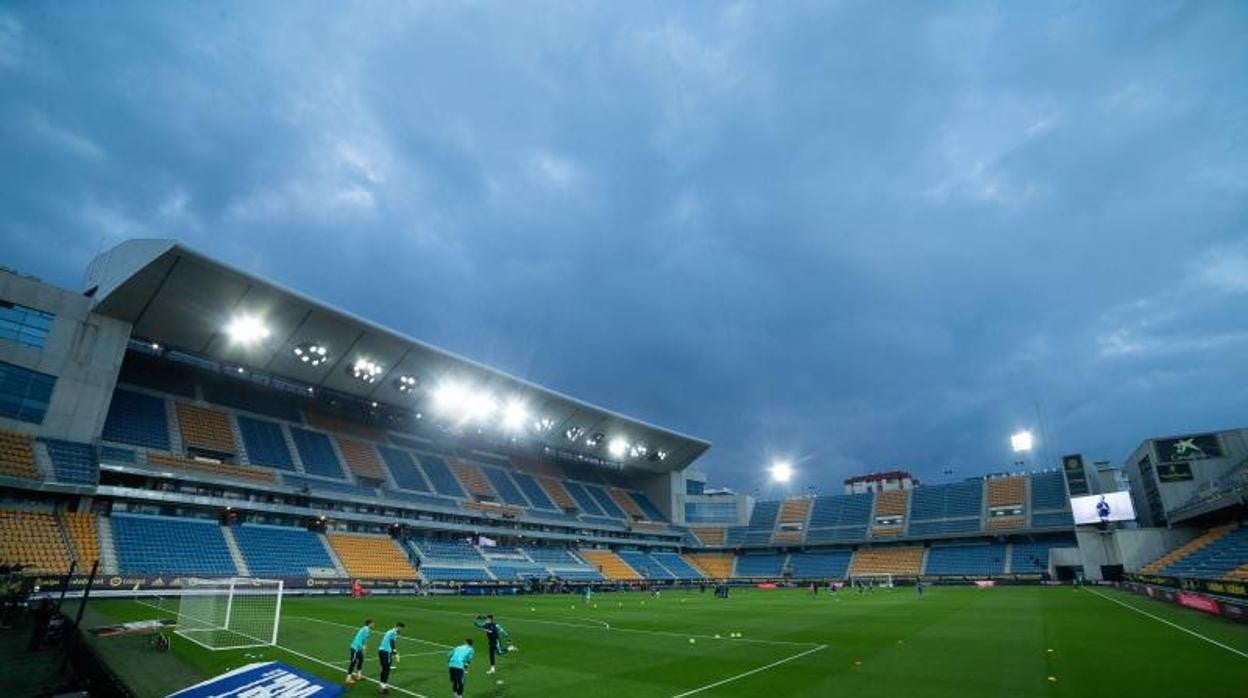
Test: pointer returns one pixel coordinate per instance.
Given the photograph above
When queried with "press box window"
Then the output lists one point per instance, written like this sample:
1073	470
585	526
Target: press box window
23	325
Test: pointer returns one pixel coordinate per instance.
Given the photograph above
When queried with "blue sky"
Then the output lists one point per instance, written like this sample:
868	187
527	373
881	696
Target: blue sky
857	235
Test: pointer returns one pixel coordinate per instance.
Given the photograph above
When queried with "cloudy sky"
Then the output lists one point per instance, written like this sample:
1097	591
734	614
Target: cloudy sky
860	236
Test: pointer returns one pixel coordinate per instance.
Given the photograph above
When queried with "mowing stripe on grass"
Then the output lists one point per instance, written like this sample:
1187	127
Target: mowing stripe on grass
344	625
751	672
1193	633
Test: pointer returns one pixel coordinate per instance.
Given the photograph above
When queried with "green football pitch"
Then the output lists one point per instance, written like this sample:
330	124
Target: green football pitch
954	641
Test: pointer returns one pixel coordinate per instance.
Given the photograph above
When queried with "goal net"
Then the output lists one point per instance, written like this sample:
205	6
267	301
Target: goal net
872	580
225	614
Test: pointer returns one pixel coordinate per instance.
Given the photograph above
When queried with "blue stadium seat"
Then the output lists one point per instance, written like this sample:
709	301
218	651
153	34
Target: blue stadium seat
533	491
646	566
328	487
163	545
114	454
317	453
505	488
1215	560
1052	519
648	508
1048	491
676	565
455	574
264	443
550	555
403	469
941	527
584	575
137	419
760	565
279	551
831	564
420	498
840	534
972	559
1033	557
72	462
448	552
440	476
583	499
841	510
608	505
514	571
764	515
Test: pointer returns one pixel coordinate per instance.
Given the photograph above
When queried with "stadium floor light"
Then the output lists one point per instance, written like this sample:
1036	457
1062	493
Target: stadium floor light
781	471
1021	441
247	329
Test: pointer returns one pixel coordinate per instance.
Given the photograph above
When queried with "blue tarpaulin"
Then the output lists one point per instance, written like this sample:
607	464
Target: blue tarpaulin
262	680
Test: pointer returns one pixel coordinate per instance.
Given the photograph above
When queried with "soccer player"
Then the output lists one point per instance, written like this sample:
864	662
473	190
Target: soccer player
356	666
589	593
918	587
386	654
458	662
492	631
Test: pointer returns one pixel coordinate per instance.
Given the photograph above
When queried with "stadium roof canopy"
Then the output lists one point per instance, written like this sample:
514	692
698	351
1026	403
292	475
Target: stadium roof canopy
184	300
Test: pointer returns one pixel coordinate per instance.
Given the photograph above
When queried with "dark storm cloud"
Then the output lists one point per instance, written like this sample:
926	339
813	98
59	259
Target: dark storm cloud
859	236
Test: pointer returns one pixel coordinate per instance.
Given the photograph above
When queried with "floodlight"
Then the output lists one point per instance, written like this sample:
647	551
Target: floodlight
480	405
637	451
311	353
595	439
573	433
781	471
617	447
247	329
1021	441
515	414
450	397
658	455
365	370
406	383
543	425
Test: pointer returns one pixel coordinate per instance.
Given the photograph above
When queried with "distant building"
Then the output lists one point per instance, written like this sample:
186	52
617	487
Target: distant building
880	482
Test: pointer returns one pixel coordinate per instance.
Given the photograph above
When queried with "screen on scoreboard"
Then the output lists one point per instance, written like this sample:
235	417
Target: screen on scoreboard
1111	506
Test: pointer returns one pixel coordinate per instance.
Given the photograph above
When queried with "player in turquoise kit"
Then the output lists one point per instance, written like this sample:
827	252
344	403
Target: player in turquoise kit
458	662
356	666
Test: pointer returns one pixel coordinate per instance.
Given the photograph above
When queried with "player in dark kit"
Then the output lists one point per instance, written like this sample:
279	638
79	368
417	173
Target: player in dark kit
387	654
493	638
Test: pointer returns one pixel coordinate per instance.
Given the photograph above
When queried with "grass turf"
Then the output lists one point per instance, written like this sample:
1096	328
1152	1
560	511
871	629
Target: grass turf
954	641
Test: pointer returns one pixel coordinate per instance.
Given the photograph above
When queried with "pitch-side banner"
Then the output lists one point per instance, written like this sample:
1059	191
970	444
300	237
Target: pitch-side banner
268	679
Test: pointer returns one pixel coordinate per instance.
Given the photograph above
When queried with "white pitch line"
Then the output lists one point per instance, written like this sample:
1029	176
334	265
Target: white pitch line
344	625
1193	633
751	672
310	658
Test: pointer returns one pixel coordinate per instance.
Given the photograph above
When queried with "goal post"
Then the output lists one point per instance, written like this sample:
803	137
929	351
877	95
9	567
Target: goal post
232	613
882	580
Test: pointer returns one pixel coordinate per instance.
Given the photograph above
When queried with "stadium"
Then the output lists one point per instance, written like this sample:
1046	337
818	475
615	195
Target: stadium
203	471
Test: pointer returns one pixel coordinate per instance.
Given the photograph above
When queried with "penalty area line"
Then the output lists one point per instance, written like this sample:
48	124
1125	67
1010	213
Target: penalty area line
751	672
1142	612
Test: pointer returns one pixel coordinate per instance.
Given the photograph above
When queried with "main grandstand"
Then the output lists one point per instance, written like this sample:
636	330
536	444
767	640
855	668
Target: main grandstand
182	418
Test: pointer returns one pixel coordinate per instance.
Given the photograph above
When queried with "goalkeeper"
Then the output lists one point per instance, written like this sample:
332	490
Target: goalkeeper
496	637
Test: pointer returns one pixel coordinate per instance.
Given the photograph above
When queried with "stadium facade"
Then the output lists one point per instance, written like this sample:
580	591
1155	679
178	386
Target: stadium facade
178	416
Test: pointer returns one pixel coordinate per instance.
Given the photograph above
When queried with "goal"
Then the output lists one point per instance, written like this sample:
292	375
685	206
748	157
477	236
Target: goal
872	580
227	614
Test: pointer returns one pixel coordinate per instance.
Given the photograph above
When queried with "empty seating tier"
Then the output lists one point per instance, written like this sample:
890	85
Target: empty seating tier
441	477
786	537
278	551
329	423
584	501
225	470
760	565
558	493
905	561
610	564
503	485
627	504
473	479
713	565
830	564
839	518
763	518
84	537
1006	523
449	552
206	428
361	459
645	565
1005	491
165	545
317	453
1156	566
537	496
647	507
17	455
677	565
73	462
796	510
33	539
1033	558
137	419
265	444
1048	492
604	501
371	557
709	535
403	469
966	559
550	555
1215	560
892	503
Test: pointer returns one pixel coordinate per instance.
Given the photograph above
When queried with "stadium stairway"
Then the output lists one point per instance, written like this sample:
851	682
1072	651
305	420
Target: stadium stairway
333	556
1206	538
235	554
108	549
84	540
